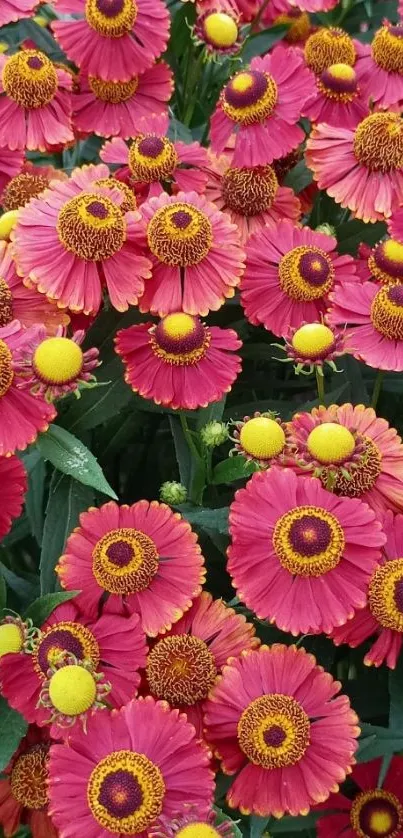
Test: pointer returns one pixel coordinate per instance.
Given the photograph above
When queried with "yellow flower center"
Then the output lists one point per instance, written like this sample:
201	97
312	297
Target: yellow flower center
274	731
126	792
299	25
113	92
7	224
111	18
6	304
129	202
58	360
91	226
66	636
11	639
152	158
331	443
378	142
386	262
6	368
249	191
21	189
72	690
125	561
29	78
262	437
313	341
339	82
249	97
29	777
180	339
220	29
179	234
387	312
387	48
198	830
306	273
329	46
181	669
386	595
376	814
308	541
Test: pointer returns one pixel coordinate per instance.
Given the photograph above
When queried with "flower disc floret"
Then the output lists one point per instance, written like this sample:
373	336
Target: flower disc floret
385	595
129	202
220	30
28	779
29	78
376	814
249	97
126	792
125	561
313	340
58	360
21	189
91	226
387	312
181	669
72	690
65	637
111	18
308	541
262	437
378	142
387	48
249	191
113	92
6	304
180	339
339	82
179	234
274	731
329	46
306	273
152	158
6	369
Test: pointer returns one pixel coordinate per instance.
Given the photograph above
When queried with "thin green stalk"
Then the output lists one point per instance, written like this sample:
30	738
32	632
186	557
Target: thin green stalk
377	389
188	436
320	383
191	97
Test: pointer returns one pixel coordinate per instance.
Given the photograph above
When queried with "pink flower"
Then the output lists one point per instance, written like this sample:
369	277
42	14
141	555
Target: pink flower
338	99
315	5
384	262
57	365
263	104
130	768
110	644
383	616
184	664
180	362
197	257
22	303
271	720
22	416
12	10
327	46
380	66
152	159
35	110
144	557
28	183
10	165
289	273
114	108
23	801
361	169
252	198
13	485
63	249
113	40
193	817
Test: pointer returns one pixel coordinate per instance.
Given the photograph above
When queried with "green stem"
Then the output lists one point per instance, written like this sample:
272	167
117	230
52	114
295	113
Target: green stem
377	389
188	436
191	97
320	383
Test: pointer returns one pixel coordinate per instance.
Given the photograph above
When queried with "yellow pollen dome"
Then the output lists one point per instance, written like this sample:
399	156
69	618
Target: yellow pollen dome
221	29
312	339
331	443
11	639
178	325
342	71
72	690
262	437
393	250
198	830
242	82
58	360
381	822
7	223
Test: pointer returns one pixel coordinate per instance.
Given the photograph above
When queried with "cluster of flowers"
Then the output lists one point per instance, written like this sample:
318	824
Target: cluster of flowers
142	686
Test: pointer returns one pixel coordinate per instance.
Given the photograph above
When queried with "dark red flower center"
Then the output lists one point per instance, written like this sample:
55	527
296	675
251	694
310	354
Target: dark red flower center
314	268
398	595
62	641
120	794
98	210
384	261
339	82
310	535
180	334
35	63
181	219
120	553
242	96
151	146
378	818
274	736
71	637
395	295
396	30
110	8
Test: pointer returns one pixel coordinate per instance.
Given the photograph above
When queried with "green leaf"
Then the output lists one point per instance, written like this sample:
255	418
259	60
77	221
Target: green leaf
293	825
299	177
41	609
42	38
259	44
257	826
396	696
378	741
234	468
69	455
34	498
67	499
3	594
351	234
24	589
102	403
206	519
12	728
192	469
